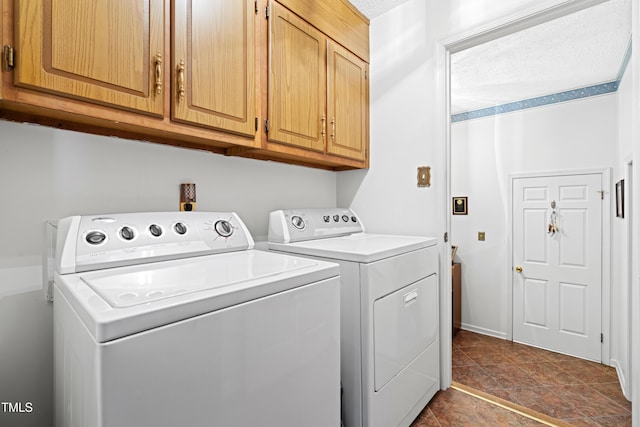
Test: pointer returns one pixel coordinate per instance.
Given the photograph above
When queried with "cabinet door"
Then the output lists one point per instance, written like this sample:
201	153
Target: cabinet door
297	81
214	64
105	51
348	113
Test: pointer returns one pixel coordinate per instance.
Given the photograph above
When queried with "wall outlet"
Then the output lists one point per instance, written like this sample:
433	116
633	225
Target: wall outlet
481	236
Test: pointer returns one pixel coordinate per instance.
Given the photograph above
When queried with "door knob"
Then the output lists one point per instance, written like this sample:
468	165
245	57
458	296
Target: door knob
518	269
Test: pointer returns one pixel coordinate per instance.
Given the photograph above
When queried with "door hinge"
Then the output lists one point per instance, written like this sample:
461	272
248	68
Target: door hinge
266	12
601	194
256	6
601	338
8	54
256	124
266	126
446	237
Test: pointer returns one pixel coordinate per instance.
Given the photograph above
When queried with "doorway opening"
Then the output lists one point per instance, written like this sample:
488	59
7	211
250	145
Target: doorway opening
513	24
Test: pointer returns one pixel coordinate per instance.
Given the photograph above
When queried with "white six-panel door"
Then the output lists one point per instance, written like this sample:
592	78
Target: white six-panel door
557	276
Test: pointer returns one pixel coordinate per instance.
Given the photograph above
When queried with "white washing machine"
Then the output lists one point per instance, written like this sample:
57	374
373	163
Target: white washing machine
389	335
172	319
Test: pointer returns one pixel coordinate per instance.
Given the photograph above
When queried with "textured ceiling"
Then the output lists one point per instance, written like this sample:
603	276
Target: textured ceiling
583	49
373	8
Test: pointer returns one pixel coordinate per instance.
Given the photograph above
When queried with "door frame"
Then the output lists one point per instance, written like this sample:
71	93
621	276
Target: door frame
605	254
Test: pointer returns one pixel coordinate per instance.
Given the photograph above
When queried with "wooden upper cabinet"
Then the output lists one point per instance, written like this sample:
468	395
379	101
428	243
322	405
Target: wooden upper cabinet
105	51
297	81
213	64
348	103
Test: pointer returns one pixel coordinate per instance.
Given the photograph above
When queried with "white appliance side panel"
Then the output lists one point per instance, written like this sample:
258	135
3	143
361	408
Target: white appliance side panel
404	324
75	359
271	361
350	343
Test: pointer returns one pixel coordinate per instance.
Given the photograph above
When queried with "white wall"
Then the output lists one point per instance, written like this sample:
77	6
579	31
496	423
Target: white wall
620	248
404	96
47	173
575	135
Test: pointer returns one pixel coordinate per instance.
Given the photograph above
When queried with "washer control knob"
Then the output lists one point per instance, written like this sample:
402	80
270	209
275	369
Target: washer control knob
180	228
224	228
336	218
354	219
127	233
155	230
297	222
345	218
326	218
95	237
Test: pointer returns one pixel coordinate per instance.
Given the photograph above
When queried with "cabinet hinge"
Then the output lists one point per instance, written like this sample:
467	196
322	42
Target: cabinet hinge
256	6
601	337
256	124
8	57
266	12
266	126
366	75
446	237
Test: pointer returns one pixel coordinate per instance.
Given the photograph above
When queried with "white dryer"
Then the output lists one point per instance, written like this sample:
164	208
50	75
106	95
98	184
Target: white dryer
389	335
172	319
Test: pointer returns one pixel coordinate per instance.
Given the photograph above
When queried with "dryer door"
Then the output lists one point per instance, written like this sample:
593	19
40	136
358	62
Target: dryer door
405	323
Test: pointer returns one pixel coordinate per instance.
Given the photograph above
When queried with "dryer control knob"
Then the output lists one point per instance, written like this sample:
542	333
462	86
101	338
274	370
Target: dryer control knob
224	228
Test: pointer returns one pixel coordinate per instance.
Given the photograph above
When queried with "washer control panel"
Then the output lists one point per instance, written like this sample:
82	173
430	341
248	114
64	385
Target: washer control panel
103	241
295	225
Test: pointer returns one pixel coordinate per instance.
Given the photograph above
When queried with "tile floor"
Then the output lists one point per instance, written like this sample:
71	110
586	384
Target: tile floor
573	391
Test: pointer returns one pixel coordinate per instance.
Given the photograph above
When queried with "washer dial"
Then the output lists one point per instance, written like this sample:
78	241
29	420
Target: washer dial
297	222
95	237
223	228
127	233
155	230
180	228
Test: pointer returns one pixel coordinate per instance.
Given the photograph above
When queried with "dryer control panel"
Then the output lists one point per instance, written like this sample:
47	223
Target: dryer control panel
296	225
95	242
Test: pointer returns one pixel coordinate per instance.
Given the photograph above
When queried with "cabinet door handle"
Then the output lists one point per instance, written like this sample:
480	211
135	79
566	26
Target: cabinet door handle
181	81
158	73
324	127
333	129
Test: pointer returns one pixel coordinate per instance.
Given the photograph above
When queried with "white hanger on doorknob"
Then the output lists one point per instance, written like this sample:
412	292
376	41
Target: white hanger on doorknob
553	220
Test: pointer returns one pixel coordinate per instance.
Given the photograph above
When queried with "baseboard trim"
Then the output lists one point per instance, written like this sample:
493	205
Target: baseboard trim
621	378
483	331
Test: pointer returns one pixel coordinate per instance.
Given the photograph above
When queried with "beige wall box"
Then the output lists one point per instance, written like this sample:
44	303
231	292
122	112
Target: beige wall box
424	176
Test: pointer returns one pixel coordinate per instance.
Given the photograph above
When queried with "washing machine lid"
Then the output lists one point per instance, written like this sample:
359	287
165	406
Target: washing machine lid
359	247
123	301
